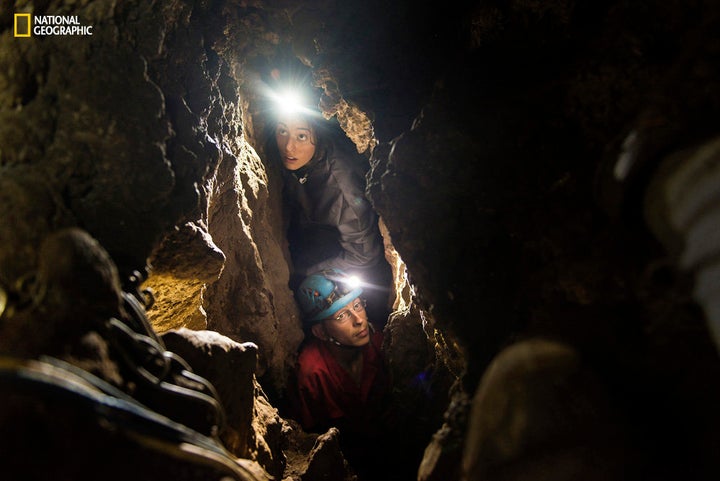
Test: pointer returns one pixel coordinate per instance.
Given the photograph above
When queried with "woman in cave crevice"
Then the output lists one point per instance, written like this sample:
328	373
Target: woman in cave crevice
330	222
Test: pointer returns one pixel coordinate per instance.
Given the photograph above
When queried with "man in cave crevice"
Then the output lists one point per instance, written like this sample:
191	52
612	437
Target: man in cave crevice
341	378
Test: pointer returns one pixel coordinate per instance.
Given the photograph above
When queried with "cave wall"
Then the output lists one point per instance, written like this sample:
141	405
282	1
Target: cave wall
137	137
518	157
62	127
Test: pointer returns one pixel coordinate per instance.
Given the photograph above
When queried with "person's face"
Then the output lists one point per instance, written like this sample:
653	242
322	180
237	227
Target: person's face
296	142
349	326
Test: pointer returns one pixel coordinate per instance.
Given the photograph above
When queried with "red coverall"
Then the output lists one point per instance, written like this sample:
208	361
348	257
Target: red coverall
326	395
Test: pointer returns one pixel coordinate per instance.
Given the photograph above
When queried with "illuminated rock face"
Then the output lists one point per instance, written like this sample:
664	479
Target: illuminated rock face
511	147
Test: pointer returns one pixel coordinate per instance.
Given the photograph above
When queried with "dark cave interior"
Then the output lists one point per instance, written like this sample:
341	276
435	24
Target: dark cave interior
548	179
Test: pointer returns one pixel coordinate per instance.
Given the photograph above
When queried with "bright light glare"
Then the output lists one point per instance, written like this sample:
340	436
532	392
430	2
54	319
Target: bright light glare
354	281
289	101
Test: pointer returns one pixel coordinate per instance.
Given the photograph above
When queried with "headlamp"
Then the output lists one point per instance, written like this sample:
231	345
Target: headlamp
343	285
353	282
322	294
289	101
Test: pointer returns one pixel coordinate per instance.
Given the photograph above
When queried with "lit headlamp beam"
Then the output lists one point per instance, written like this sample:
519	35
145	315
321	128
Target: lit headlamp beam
354	281
289	101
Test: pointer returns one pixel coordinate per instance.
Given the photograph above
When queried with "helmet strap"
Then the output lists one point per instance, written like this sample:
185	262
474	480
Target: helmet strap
325	336
337	343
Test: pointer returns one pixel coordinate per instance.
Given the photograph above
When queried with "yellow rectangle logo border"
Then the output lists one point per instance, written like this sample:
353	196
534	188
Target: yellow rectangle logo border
29	26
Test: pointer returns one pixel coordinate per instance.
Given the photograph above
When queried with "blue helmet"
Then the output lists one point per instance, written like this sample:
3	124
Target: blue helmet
324	293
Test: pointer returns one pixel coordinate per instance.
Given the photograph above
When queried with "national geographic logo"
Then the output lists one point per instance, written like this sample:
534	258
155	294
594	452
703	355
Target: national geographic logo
28	25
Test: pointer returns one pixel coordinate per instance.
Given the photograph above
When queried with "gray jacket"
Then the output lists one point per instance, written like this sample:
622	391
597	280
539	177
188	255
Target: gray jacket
331	222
